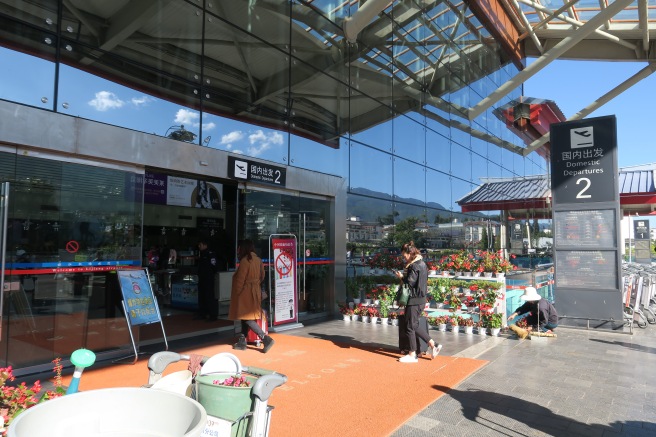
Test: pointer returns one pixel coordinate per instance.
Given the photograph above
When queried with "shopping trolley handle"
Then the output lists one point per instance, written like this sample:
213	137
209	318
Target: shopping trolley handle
266	384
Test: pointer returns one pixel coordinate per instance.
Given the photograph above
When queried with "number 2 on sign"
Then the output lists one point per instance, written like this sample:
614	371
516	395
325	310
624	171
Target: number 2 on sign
581	194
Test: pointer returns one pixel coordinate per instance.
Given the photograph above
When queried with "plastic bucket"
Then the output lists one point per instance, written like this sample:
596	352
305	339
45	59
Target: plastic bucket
225	402
125	412
177	382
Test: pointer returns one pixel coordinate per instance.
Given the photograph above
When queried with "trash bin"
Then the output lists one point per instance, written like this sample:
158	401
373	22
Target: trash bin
127	411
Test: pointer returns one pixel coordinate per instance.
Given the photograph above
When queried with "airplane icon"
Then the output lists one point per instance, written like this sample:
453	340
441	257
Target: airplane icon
241	169
581	138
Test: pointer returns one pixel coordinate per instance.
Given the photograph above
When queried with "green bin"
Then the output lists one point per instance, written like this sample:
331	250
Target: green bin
225	402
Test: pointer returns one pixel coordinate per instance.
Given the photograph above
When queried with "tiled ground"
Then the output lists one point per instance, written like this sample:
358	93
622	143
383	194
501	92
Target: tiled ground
582	383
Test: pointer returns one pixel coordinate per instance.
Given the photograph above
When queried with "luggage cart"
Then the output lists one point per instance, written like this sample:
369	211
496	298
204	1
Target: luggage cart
254	422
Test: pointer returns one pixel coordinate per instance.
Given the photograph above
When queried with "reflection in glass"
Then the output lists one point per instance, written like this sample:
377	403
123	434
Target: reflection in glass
19	68
370	172
409	139
409	182
311	155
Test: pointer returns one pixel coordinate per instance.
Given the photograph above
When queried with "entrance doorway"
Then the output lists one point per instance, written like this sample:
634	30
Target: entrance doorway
307	218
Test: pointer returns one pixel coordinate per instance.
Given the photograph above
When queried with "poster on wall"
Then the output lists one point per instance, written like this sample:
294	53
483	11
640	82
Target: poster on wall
161	189
284	263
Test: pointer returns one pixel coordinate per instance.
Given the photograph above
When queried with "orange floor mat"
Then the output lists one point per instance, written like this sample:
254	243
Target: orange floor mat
332	389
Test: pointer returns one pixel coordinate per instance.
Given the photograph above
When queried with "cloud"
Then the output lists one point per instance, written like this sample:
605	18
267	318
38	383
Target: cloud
232	137
261	141
106	100
140	101
209	126
187	117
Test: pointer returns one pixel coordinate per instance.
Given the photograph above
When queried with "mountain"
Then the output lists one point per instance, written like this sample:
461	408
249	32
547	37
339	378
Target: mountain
370	205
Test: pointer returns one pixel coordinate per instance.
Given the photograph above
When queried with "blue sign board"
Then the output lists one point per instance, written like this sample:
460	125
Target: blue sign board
140	304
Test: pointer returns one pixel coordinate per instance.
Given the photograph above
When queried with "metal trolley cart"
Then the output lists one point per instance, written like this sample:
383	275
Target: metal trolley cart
236	413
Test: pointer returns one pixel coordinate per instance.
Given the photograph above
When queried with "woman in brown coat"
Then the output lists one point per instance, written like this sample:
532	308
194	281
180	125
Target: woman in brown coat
246	295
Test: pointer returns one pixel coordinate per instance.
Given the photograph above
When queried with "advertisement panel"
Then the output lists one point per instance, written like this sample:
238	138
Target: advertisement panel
284	262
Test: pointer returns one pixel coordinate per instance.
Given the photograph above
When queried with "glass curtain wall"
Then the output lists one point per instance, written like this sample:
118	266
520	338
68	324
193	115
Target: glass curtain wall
278	80
64	216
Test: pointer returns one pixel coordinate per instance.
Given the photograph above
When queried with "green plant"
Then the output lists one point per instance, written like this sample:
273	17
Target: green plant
352	287
436	290
386	300
493	320
453	299
16	399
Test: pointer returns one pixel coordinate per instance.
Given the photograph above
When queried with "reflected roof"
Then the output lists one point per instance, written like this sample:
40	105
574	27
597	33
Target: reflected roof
415	56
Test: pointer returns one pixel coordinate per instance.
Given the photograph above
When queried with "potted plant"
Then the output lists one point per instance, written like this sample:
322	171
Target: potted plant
373	315
394	318
441	322
481	328
352	289
346	312
494	321
454	321
16	399
467	323
453	299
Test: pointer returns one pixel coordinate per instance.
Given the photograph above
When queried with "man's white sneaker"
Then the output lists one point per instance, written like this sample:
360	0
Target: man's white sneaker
408	359
436	351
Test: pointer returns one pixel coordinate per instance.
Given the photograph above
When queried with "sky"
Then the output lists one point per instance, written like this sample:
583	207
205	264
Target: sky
573	85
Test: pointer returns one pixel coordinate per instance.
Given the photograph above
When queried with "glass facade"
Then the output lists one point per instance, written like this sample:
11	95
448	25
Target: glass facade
272	80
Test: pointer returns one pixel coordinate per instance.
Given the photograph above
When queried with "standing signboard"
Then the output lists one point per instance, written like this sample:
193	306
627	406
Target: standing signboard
642	241
584	186
283	275
139	302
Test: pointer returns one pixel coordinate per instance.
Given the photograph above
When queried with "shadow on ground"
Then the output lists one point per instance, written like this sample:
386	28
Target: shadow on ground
477	405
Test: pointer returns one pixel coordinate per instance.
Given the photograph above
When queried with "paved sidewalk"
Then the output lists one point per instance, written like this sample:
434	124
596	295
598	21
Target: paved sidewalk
582	383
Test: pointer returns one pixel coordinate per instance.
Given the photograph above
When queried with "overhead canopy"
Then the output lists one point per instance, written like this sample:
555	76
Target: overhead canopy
286	73
530	196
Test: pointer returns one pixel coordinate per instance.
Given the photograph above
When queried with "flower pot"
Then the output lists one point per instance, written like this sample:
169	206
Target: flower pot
384	321
367	302
455	329
355	317
500	275
346	317
395	322
442	327
469	329
365	319
476	274
351	305
495	331
445	273
373	320
376	302
482	332
356	301
487	274
457	274
467	273
224	402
